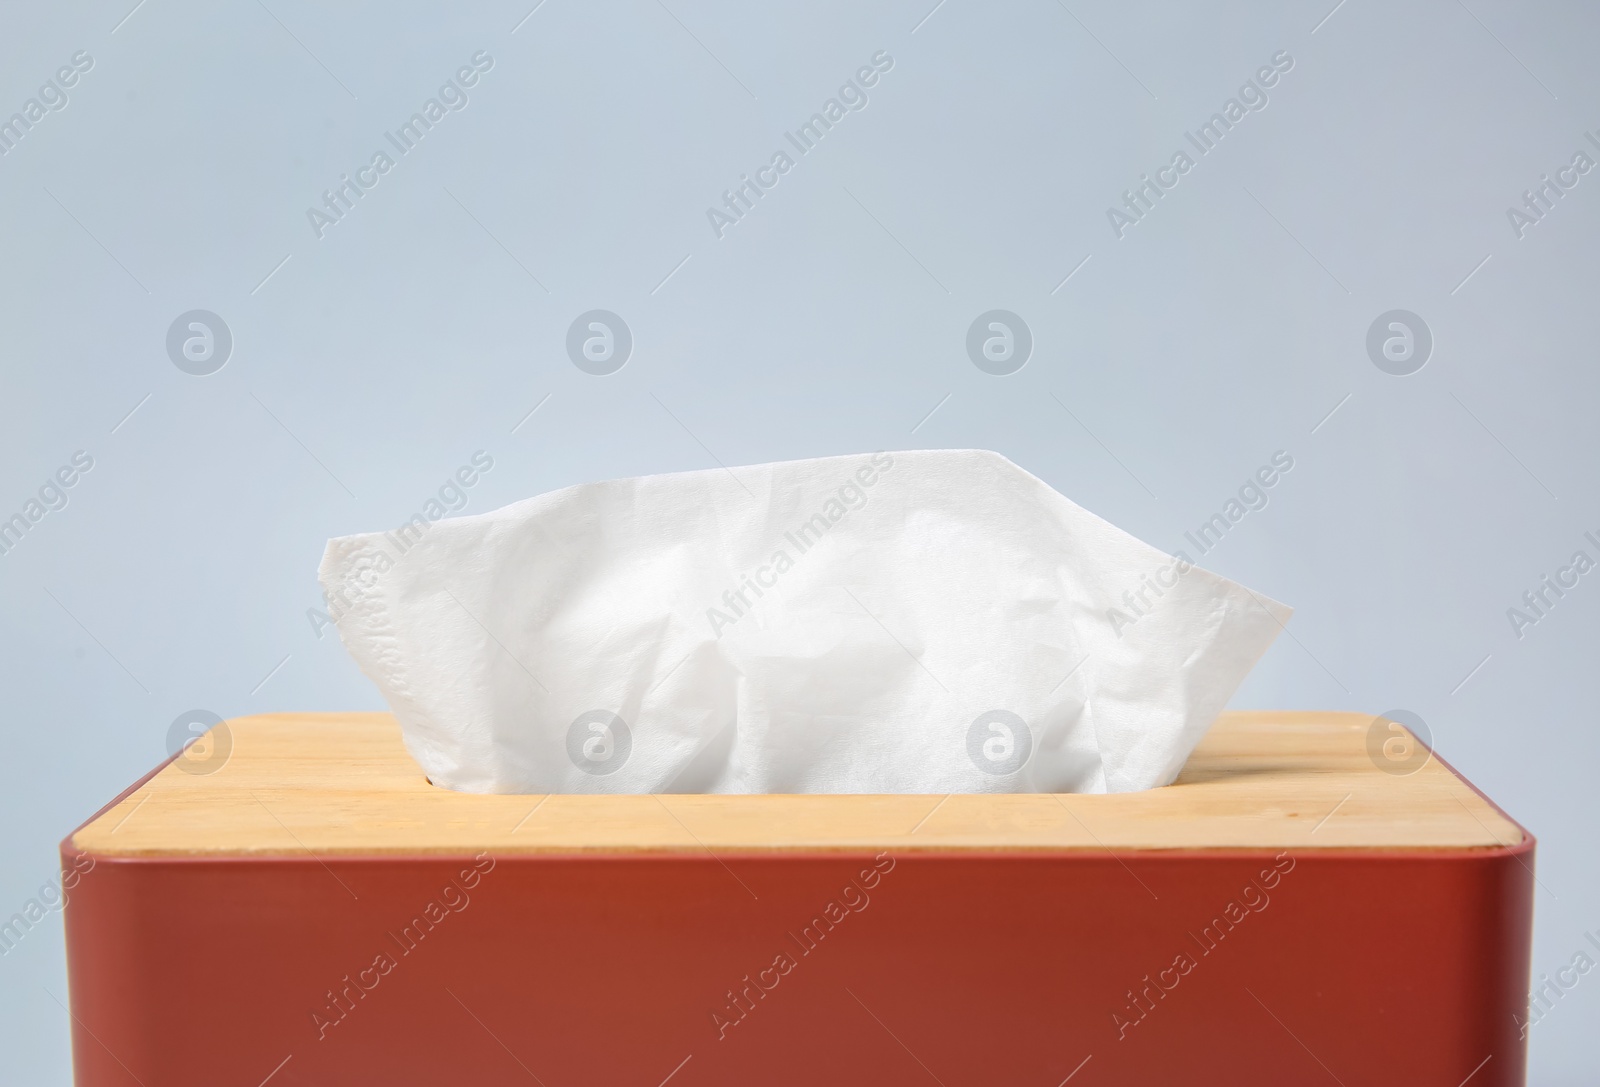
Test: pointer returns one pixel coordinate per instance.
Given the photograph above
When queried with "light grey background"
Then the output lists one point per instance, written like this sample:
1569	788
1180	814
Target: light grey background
1225	326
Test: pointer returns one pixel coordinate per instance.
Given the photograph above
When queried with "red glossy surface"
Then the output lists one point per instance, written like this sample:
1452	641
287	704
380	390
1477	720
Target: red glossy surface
1353	967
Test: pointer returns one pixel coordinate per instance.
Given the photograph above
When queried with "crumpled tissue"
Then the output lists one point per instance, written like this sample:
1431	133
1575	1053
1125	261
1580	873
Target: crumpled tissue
935	621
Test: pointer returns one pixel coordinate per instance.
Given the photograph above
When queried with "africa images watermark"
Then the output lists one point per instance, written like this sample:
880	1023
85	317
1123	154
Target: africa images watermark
1252	498
51	496
52	98
851	98
851	496
1143	1000
743	1001
52	897
1542	999
1539	200
338	201
1543	597
1252	98
451	497
345	998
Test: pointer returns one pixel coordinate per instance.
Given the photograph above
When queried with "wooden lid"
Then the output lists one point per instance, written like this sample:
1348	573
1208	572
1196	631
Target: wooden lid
342	784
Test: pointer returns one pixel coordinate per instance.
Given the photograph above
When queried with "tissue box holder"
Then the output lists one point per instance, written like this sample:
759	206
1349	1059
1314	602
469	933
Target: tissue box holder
315	912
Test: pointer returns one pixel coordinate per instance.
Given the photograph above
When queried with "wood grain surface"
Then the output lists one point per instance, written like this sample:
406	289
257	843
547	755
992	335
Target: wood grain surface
342	784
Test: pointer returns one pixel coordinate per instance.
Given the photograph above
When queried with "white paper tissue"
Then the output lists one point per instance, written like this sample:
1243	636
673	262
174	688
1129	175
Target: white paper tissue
913	622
